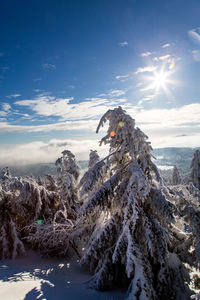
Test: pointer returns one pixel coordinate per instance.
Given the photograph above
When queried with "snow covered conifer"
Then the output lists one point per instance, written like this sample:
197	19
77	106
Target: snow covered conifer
195	169
176	179
130	242
87	183
94	158
10	243
5	177
68	173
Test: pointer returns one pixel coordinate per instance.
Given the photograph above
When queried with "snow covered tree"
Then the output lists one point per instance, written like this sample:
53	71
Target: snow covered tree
176	179
10	243
94	158
5	177
68	173
195	169
130	242
187	245
86	185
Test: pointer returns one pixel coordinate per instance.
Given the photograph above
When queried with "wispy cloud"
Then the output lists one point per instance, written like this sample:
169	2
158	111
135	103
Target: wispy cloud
194	35
3	113
163	125
13	96
66	109
37	90
1	54
5	127
37	79
5	109
122	44
48	66
164	57
122	78
4	69
145	54
116	93
166	45
146	99
6	106
145	69
196	55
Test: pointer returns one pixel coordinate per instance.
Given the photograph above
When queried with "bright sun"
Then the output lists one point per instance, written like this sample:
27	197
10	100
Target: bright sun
159	80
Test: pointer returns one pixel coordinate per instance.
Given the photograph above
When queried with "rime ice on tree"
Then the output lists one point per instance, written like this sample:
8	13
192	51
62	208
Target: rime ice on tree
68	173
195	169
130	242
176	179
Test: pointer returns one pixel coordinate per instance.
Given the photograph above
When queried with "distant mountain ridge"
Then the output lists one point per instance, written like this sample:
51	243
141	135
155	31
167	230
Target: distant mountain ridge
165	157
171	156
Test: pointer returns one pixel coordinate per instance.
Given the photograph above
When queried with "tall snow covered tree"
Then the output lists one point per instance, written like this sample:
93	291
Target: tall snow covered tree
68	174
86	187
176	179
195	169
5	177
130	242
10	243
187	245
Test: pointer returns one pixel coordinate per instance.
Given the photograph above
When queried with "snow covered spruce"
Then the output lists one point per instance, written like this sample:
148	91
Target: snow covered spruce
39	213
195	169
176	179
131	242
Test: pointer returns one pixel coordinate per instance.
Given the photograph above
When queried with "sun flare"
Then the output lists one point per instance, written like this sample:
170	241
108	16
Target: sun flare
159	80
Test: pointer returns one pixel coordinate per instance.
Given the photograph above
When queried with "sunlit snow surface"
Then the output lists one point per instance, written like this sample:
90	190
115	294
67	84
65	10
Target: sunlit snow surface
34	277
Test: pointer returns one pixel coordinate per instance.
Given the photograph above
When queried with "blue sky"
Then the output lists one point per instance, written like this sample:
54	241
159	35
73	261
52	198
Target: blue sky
65	63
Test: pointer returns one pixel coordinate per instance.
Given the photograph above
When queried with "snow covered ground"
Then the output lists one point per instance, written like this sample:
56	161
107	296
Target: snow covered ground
34	277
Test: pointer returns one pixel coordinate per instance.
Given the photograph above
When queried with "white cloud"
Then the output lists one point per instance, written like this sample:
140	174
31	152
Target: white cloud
66	109
166	45
122	44
145	54
48	66
145	69
165	125
196	55
70	125
6	106
13	96
45	152
3	113
37	90
122	78
194	35
146	98
116	93
5	109
164	57
147	88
